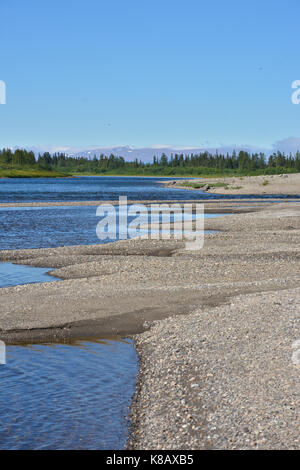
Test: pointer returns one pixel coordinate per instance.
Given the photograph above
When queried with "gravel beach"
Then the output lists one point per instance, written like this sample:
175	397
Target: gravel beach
229	377
221	378
214	328
284	184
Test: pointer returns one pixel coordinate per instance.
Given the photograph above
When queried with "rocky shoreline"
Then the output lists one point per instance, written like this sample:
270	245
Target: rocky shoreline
214	328
226	377
221	378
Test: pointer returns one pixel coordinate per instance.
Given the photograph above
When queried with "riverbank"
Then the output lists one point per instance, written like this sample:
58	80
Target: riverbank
30	173
224	377
114	288
221	378
285	184
216	370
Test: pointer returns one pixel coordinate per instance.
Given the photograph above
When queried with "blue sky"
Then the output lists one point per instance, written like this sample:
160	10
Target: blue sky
143	73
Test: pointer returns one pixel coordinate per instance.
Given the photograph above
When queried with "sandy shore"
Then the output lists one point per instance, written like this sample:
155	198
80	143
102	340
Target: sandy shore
219	373
287	184
115	288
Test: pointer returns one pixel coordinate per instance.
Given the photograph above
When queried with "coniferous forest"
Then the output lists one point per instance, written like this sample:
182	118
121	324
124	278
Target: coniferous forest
24	163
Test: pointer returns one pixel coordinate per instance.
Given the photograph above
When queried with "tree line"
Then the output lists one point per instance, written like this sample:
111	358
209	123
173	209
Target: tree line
199	163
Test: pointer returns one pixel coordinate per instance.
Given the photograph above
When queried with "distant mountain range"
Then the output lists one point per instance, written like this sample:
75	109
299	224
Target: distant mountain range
145	154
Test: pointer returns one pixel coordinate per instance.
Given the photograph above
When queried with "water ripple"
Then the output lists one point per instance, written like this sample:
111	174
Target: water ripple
67	396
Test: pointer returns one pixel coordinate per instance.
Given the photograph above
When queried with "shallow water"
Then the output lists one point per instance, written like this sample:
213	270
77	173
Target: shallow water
67	396
44	227
17	274
64	396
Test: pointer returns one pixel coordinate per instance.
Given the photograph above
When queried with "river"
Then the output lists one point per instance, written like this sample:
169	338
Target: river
73	395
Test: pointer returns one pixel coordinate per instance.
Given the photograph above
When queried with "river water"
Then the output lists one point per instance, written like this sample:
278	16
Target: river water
64	396
67	396
14	275
97	188
74	395
88	188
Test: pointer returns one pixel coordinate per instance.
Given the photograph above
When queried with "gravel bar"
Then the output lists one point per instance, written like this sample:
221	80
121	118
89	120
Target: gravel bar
214	328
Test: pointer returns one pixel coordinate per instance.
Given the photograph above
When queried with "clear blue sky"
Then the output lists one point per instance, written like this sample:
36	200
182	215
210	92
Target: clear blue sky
142	72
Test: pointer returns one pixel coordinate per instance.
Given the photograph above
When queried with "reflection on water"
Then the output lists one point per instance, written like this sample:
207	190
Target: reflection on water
67	396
